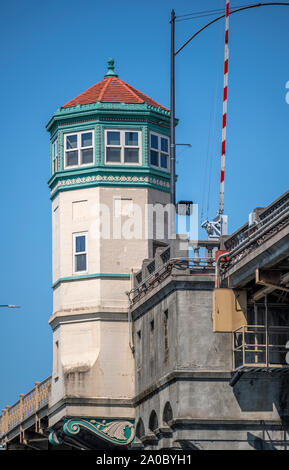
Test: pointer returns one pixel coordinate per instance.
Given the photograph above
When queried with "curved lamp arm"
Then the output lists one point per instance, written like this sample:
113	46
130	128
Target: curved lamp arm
223	16
172	103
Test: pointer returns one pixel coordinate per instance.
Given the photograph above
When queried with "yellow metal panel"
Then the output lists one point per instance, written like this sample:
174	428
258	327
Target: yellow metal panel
229	309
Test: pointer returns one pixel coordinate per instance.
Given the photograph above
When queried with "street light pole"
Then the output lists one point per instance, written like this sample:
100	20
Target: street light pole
237	10
172	109
10	306
216	226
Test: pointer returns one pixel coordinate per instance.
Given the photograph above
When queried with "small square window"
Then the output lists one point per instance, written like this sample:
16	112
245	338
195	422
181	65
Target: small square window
113	138
72	158
86	139
80	243
164	161
131	138
71	141
154	158
154	141
113	154
131	155
55	148
87	156
80	262
164	145
55	156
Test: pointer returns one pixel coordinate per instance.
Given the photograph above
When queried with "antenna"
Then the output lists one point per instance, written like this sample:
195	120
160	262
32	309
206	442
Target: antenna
219	225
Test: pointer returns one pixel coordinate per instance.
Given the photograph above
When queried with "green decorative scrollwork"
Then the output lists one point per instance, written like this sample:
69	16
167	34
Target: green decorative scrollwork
55	438
115	431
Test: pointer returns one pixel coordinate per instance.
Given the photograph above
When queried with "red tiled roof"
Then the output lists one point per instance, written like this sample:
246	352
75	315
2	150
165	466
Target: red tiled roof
112	90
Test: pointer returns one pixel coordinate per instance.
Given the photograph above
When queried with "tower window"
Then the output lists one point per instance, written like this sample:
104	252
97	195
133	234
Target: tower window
159	151
79	149
55	156
122	147
80	252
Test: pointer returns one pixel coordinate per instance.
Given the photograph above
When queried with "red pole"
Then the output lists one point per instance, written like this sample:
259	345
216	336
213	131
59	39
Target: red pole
224	119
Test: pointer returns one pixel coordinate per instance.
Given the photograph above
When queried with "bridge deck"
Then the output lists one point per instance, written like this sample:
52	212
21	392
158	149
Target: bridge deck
25	417
264	245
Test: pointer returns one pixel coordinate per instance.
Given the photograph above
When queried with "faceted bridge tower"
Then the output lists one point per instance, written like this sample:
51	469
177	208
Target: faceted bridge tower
109	161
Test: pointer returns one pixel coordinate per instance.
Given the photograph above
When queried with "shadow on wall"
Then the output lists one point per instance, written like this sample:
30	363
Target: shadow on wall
140	430
188	445
260	444
262	393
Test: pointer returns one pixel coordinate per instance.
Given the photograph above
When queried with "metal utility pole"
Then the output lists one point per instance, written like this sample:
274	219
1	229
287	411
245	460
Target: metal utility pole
10	306
172	109
218	226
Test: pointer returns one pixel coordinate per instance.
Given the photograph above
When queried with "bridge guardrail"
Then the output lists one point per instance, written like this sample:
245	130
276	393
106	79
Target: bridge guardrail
186	265
27	405
256	346
249	238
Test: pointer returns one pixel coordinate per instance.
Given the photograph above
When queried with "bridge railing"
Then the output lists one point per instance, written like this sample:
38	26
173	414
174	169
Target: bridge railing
27	405
248	238
265	216
258	346
186	266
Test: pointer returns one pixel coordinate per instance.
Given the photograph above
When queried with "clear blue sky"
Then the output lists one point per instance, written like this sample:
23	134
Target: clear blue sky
52	51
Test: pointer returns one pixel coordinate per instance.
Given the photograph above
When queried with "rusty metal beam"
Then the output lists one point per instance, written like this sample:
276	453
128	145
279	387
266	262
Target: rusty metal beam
262	292
271	280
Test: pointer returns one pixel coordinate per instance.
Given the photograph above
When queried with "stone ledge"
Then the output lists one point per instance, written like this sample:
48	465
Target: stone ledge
86	402
87	314
169	285
217	375
202	422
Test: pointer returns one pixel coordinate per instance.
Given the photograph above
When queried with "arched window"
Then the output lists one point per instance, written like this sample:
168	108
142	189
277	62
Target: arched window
153	421
140	430
168	413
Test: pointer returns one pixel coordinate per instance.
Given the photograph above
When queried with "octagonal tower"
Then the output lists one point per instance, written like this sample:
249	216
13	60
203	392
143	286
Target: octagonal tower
109	162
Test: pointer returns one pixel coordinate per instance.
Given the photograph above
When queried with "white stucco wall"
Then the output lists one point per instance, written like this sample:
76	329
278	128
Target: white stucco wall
94	358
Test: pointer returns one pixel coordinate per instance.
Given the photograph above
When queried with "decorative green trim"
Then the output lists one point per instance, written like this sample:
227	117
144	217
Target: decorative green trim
145	140
155	127
101	109
81	183
117	432
110	106
55	437
109	176
60	150
80	277
98	144
116	170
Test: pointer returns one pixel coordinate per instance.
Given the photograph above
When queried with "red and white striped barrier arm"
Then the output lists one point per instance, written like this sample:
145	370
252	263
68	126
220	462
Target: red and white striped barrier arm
225	98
